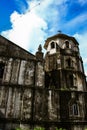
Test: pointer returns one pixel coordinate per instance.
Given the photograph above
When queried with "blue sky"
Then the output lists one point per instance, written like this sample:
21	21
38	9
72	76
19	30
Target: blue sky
29	22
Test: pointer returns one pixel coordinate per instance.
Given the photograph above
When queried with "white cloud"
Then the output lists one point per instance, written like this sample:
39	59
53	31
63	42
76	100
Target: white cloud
82	42
29	29
82	2
21	5
77	20
85	61
45	10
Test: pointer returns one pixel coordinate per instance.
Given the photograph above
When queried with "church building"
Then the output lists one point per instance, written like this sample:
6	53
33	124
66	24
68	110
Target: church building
43	90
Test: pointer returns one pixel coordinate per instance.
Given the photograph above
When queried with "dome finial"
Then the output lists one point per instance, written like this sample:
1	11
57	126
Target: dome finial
39	53
59	31
40	48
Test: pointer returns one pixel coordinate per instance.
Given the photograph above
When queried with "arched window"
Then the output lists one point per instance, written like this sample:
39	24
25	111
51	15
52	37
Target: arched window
71	80
2	66
74	109
52	45
74	80
68	62
67	44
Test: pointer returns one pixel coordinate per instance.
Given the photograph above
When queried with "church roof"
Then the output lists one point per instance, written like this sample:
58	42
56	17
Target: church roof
59	35
10	49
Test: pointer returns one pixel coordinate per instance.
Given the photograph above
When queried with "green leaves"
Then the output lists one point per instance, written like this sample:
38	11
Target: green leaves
40	128
36	128
60	129
18	129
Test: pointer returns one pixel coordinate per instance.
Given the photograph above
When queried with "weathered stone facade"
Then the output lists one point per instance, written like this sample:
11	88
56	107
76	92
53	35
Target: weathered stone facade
48	92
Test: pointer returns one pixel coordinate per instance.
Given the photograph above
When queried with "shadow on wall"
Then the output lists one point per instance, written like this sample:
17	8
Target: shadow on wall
2	116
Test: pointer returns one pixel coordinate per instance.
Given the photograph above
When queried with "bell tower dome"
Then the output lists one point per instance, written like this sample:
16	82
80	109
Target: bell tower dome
64	59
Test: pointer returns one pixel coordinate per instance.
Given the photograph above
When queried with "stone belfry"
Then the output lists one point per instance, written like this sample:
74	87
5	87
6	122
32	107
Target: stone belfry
65	78
37	91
